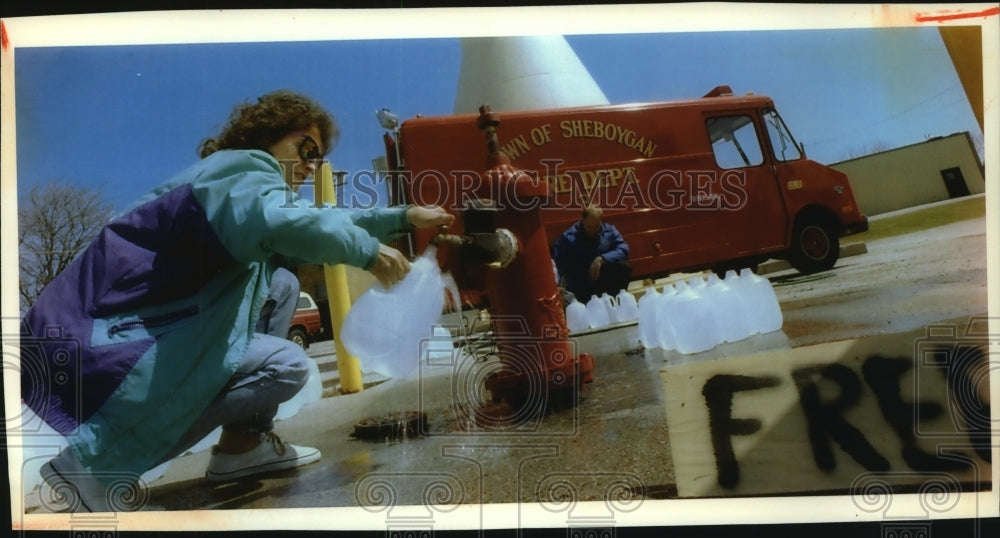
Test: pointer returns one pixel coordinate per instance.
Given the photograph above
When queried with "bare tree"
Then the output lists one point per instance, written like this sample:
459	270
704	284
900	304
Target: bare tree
865	150
56	222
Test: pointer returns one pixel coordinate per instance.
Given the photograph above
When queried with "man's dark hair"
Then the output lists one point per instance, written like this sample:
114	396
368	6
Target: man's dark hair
591	210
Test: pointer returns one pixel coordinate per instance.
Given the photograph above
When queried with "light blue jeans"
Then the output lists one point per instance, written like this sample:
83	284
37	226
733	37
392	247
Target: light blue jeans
273	370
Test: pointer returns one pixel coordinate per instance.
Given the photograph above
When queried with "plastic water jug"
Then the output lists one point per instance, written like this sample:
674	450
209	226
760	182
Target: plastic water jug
611	306
730	313
628	308
694	324
597	313
762	301
576	316
614	310
742	286
385	326
742	302
666	312
696	284
649	318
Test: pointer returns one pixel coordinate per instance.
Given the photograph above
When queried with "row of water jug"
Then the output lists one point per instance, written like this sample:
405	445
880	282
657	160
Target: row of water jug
601	311
691	316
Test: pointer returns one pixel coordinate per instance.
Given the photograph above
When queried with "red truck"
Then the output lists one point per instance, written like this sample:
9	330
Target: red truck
716	182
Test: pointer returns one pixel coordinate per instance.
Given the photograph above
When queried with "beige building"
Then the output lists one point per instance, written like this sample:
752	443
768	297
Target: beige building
937	169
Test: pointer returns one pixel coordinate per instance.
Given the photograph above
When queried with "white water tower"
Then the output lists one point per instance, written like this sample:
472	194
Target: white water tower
523	73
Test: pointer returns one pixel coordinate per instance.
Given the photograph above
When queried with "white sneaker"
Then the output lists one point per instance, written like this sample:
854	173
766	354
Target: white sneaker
272	454
69	484
73	485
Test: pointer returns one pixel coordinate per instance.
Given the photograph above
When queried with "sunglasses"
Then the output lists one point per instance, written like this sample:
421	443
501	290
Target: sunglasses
309	149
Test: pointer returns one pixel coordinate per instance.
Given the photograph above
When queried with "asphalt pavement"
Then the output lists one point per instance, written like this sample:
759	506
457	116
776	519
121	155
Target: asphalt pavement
614	435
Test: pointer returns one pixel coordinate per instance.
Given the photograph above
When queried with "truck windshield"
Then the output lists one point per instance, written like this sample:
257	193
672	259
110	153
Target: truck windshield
782	143
734	141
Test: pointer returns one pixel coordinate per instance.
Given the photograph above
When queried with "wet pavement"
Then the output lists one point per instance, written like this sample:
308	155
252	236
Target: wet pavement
613	444
613	441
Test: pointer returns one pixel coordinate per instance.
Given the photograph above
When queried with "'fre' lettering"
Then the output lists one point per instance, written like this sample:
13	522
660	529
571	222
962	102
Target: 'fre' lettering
718	392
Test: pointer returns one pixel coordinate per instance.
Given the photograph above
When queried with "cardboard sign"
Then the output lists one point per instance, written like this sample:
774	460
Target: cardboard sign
897	410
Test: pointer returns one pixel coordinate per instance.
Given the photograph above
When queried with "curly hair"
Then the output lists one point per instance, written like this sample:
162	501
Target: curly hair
260	125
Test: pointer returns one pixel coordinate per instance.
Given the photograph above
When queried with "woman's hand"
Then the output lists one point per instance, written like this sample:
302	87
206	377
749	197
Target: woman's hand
390	265
428	216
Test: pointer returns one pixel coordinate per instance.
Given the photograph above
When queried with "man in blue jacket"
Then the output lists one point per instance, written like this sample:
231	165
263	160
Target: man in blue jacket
172	322
591	257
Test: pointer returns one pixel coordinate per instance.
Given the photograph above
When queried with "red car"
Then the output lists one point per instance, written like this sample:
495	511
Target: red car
306	325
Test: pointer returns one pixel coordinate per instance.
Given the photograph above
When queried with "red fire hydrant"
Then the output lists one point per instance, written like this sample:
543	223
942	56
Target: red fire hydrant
538	360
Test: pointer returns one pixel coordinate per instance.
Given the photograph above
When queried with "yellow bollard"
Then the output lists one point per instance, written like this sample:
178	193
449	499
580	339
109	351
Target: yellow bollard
348	366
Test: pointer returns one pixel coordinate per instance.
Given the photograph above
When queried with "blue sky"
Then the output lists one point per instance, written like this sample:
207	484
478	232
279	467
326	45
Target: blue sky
129	117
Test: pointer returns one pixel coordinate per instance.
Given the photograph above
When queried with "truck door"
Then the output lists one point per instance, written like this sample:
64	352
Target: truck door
820	200
751	210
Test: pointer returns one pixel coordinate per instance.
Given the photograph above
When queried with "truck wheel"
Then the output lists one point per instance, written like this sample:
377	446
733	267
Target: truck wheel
299	337
815	244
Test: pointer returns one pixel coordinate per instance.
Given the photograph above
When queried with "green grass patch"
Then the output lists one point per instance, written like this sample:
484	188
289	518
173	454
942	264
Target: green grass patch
921	219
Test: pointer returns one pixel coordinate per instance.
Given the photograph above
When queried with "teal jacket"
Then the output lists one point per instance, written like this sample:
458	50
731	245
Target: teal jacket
127	347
